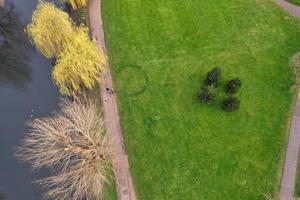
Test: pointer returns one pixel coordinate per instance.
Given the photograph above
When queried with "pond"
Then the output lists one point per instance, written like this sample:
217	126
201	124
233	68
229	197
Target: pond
26	91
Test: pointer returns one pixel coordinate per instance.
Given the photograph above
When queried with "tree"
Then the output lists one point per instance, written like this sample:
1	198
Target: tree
231	103
213	76
50	29
75	4
79	64
79	61
206	95
74	146
233	85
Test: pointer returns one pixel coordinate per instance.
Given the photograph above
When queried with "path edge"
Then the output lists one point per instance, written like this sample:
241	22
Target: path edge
291	156
123	178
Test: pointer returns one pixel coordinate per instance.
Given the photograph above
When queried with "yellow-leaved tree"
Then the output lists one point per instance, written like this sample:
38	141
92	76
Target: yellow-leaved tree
50	29
79	64
79	61
76	3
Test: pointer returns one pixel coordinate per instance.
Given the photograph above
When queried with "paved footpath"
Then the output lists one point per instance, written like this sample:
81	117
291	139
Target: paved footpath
291	8
288	180
123	178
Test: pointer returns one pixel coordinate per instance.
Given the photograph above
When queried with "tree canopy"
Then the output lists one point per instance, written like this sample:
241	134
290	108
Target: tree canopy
78	64
78	59
50	29
73	144
76	3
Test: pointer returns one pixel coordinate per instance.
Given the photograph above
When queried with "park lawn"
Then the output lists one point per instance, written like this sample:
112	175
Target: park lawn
180	149
110	192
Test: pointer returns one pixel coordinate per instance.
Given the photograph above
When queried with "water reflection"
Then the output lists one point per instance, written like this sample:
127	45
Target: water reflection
2	196
14	48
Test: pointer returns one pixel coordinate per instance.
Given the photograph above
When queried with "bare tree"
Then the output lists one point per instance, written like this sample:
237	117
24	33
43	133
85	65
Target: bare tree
74	146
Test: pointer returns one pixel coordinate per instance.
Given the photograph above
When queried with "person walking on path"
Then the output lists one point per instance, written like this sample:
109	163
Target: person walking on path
120	165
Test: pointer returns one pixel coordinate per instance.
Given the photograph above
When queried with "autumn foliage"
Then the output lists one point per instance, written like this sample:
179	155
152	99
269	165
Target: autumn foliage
76	3
79	60
50	29
78	64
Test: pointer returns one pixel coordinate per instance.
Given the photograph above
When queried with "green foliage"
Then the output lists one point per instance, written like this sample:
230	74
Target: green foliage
233	85
213	77
231	104
206	95
296	2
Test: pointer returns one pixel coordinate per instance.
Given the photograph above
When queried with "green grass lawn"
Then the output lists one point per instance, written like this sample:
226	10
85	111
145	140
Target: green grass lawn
297	2
298	181
178	148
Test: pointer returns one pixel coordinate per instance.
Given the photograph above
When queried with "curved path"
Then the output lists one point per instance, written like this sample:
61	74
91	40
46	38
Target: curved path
291	8
288	180
124	183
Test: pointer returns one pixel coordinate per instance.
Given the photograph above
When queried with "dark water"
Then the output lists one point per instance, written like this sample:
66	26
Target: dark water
26	91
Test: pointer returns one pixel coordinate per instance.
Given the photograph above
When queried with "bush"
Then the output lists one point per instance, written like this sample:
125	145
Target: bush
213	76
206	95
233	85
231	103
74	146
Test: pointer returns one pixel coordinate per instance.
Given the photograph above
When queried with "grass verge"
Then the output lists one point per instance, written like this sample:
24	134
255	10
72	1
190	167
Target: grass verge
296	2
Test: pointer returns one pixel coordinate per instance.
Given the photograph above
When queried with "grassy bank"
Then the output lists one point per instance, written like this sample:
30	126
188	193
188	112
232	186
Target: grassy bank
178	148
296	2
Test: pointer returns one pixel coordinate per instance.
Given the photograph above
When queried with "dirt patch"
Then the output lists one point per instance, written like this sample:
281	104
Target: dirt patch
295	63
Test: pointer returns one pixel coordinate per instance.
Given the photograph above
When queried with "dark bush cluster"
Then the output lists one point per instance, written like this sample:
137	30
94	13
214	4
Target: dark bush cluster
231	103
206	93
233	86
213	77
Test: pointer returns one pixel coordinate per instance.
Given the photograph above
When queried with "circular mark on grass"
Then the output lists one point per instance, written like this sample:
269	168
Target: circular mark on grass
161	128
134	78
